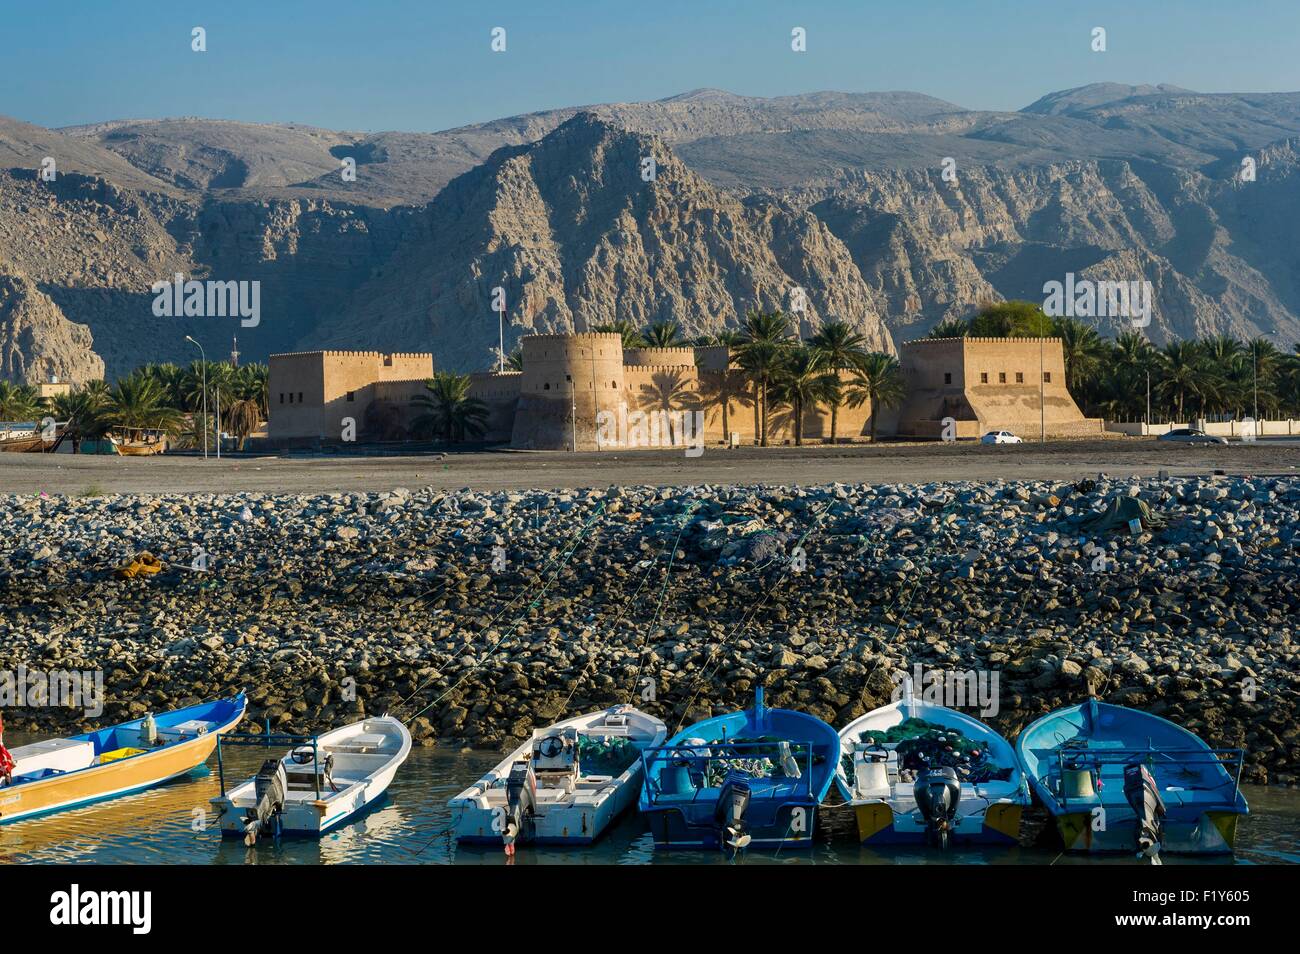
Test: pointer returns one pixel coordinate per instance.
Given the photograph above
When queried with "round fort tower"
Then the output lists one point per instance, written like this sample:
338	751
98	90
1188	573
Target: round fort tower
567	380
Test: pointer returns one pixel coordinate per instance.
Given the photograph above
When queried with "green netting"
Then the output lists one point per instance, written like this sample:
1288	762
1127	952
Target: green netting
921	745
606	756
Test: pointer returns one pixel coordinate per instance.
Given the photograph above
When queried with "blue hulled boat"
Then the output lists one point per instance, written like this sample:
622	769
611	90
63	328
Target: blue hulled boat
751	778
1117	779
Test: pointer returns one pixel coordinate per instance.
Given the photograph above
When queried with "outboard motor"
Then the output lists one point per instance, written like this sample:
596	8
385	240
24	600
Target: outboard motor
1143	796
937	794
733	799
521	803
269	788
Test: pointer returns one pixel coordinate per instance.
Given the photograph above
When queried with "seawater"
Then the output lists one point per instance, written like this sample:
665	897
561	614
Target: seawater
173	824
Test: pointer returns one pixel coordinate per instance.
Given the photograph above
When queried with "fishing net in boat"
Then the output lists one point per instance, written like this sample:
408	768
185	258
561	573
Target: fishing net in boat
764	761
922	745
606	755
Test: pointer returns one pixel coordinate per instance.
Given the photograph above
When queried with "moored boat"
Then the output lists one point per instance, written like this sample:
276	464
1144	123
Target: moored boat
1119	779
324	781
751	778
58	774
564	785
920	773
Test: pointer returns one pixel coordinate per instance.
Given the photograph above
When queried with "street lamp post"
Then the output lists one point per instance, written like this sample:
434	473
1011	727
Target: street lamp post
204	386
1148	417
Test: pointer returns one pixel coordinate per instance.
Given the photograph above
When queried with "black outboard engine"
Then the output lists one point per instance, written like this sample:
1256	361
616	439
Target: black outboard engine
1143	796
733	799
937	794
269	787
521	802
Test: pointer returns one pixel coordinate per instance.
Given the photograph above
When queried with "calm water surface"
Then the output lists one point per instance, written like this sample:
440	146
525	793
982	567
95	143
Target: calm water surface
166	825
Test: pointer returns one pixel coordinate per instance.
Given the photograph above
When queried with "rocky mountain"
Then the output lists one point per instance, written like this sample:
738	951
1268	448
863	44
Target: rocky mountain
840	194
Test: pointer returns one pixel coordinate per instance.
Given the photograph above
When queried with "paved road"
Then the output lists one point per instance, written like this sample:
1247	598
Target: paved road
884	463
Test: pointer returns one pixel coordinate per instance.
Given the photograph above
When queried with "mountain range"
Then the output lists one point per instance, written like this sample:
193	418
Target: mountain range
841	196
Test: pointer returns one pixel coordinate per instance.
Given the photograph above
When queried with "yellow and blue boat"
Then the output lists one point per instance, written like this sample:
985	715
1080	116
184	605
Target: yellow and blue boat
58	774
1118	779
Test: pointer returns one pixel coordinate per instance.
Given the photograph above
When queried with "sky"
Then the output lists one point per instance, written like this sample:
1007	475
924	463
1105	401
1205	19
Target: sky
425	65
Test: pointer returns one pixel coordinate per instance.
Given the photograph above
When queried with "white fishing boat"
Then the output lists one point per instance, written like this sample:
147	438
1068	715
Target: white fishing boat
323	782
564	785
917	772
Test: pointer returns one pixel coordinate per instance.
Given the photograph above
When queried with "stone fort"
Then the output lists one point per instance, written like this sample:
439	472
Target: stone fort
573	386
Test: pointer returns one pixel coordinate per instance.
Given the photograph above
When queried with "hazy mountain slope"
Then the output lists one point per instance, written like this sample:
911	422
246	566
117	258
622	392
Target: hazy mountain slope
37	342
577	250
840	193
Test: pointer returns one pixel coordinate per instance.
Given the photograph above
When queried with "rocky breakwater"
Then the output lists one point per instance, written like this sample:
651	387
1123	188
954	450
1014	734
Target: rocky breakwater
480	616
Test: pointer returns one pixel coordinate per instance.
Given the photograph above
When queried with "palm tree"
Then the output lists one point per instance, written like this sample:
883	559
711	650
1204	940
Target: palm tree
137	401
18	402
1181	374
663	334
515	360
448	410
252	383
631	337
838	347
878	381
950	328
1083	350
803	380
762	352
83	409
243	418
731	340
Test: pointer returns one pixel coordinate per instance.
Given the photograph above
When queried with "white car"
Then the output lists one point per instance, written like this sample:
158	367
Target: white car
1190	435
1000	437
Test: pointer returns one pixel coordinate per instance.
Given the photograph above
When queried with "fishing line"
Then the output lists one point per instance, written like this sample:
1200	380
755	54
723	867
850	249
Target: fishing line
491	622
492	649
744	621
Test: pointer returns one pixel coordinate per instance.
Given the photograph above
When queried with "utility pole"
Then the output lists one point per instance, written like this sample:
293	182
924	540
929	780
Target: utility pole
1254	374
1148	417
216	394
204	387
573	412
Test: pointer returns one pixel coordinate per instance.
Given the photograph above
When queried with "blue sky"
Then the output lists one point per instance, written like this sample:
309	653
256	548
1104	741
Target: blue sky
422	66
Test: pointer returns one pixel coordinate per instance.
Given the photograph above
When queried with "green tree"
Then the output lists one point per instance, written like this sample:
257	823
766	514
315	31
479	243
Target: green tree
18	402
663	334
838	347
1083	350
448	410
765	341
878	381
631	336
1010	319
802	381
137	401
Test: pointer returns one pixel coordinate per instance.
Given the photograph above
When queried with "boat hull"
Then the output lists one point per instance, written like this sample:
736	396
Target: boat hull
112	780
792	827
1209	833
313	819
556	825
1076	757
878	825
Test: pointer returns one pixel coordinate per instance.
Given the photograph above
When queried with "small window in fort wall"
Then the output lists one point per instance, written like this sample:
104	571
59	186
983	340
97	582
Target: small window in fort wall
947	377
281	397
299	397
1020	377
568	377
352	395
614	385
1002	377
984	377
1047	377
546	386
